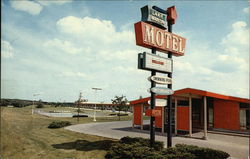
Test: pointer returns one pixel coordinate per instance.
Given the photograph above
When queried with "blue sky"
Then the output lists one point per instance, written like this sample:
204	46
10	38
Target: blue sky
59	48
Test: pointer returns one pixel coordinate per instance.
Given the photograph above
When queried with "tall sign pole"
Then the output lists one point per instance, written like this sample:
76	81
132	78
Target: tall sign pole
171	12
152	106
151	33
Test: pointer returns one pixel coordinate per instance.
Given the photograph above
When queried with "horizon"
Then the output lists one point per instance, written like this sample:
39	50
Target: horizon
61	48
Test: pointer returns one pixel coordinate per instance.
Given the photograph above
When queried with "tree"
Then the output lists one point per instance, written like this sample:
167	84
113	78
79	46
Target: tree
121	103
40	104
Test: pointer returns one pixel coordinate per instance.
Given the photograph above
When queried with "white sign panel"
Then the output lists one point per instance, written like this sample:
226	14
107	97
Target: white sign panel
159	102
157	63
160	79
162	91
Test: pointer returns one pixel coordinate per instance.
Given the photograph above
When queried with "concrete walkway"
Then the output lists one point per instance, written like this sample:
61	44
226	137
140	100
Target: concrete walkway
237	147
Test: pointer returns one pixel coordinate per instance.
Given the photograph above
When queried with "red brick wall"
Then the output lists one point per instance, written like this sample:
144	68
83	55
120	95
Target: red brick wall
183	118
226	114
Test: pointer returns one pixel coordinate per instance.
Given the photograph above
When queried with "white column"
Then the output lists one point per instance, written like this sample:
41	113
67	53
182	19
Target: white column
162	115
190	116
175	105
205	117
141	116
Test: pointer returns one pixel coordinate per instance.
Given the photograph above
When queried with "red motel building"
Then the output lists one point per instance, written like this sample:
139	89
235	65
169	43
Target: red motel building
200	110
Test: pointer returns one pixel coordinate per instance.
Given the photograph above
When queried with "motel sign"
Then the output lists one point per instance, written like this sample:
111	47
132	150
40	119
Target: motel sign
150	36
150	33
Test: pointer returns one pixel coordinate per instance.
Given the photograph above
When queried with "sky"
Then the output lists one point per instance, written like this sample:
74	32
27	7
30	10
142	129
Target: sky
59	48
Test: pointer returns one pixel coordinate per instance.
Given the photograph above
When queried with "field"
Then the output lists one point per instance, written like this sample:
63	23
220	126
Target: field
26	136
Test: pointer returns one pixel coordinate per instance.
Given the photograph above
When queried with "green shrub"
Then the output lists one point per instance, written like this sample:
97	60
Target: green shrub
40	105
200	152
139	148
59	124
142	142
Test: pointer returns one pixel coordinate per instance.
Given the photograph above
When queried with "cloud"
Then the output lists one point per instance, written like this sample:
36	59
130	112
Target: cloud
71	74
64	46
216	68
30	7
238	36
236	49
246	10
93	29
56	2
6	49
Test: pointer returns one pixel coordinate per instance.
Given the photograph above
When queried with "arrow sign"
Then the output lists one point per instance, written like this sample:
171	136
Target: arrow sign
162	91
159	102
160	79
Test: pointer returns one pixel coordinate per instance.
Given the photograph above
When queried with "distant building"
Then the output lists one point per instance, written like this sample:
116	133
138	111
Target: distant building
102	106
221	112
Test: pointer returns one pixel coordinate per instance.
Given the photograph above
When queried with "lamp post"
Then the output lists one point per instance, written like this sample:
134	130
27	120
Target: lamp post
96	89
35	94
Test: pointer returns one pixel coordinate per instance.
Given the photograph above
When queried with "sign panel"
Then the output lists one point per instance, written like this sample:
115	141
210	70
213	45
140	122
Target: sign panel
150	15
160	79
156	113
150	36
162	91
159	102
172	14
148	61
153	112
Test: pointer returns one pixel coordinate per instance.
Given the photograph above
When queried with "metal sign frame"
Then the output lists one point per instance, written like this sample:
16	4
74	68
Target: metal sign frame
162	90
148	61
160	79
153	16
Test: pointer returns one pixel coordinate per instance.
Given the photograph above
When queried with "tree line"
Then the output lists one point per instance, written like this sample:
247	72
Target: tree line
23	103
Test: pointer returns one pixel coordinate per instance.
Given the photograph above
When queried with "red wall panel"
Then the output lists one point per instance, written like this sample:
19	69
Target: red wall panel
183	118
226	114
137	114
158	120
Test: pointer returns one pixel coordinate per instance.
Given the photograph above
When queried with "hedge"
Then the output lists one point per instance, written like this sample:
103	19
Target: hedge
139	148
59	124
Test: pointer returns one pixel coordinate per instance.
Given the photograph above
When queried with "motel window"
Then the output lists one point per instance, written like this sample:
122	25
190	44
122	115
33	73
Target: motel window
173	114
210	111
183	103
244	116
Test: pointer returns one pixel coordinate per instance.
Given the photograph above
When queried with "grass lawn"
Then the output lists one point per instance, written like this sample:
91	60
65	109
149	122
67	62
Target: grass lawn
24	136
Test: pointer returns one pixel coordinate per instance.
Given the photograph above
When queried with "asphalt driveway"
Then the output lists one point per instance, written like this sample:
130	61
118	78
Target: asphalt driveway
236	146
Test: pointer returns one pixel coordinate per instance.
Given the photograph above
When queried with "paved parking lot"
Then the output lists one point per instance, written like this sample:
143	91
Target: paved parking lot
236	146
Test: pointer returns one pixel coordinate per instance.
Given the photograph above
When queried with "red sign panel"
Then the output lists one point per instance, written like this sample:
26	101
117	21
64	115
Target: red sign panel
153	112
172	14
150	36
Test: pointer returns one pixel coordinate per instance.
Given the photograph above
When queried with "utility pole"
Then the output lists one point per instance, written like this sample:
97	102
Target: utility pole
78	103
32	110
96	89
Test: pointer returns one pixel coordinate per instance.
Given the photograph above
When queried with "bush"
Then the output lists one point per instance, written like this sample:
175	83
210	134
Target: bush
75	116
40	105
142	142
138	148
122	114
59	124
204	153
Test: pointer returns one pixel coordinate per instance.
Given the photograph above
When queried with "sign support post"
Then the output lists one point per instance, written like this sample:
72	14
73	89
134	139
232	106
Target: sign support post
169	100
171	17
152	106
